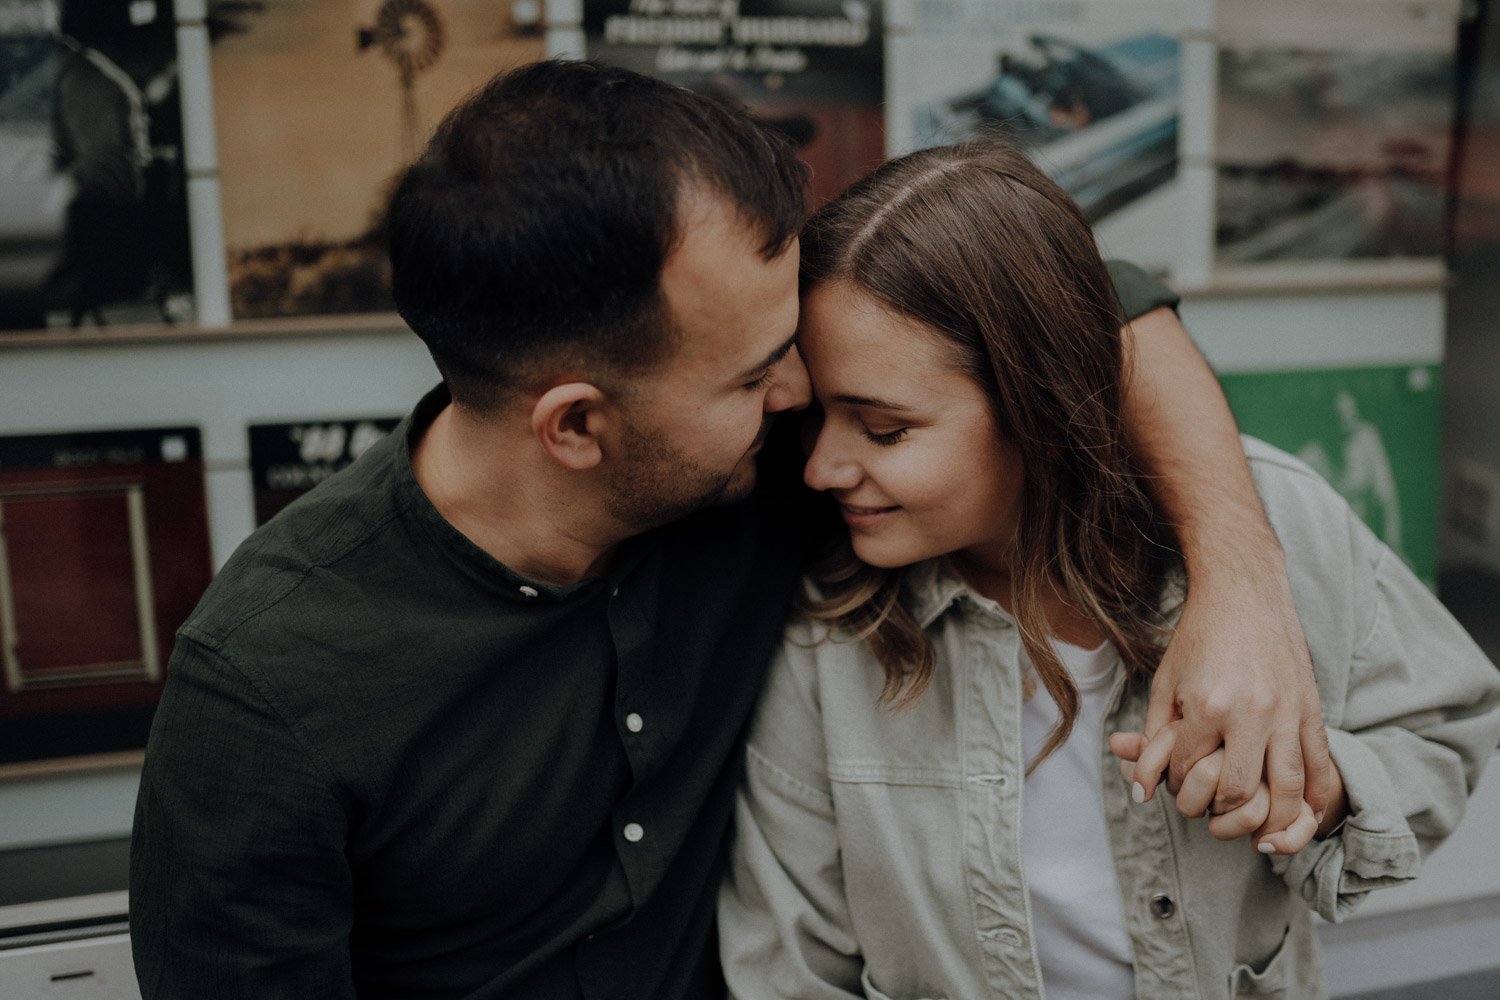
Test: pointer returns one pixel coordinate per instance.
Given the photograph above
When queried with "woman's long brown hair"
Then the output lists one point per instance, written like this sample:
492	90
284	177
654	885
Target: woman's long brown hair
978	244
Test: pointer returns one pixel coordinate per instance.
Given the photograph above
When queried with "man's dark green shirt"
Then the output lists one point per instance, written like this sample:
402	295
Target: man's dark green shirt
386	765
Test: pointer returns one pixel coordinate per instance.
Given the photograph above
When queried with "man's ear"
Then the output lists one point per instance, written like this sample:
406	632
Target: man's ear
569	419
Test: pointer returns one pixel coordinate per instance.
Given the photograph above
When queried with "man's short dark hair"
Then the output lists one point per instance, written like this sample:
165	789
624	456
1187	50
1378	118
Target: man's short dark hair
536	223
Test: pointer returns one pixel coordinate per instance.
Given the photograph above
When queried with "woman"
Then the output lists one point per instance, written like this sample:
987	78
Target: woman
927	810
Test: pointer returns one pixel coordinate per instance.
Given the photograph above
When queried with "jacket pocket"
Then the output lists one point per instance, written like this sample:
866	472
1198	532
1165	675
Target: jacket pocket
1270	980
872	992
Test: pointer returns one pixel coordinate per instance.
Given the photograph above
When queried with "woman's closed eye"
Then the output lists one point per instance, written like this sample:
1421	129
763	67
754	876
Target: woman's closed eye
888	438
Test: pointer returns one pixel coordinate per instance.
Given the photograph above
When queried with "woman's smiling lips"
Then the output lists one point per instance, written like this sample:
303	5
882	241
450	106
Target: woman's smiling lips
864	517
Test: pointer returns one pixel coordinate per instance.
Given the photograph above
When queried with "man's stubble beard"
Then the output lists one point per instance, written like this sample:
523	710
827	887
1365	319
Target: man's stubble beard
658	484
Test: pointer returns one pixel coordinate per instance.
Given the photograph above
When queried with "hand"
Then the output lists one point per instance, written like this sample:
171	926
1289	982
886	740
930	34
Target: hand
1237	674
1196	796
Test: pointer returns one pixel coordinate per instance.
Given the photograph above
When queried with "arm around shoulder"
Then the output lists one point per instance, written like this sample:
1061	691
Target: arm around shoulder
239	886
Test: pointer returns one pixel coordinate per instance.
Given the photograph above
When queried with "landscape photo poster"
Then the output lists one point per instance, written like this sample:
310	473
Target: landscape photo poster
1373	432
1090	87
104	552
93	197
811	68
1333	136
320	104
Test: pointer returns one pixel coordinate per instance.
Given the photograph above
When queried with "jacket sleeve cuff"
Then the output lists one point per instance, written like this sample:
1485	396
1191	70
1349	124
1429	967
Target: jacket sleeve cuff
1374	849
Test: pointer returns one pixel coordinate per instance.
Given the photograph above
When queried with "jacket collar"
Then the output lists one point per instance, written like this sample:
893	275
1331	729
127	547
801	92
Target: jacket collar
934	586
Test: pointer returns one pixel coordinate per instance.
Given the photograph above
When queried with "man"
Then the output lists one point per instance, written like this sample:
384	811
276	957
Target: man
466	721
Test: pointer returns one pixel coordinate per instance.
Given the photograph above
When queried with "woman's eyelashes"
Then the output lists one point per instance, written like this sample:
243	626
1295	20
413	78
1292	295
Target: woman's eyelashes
887	439
760	383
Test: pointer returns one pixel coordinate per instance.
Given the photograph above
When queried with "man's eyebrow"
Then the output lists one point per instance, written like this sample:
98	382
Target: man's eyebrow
771	359
878	404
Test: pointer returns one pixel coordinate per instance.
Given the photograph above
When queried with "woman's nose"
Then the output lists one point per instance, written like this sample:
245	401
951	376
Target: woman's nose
828	468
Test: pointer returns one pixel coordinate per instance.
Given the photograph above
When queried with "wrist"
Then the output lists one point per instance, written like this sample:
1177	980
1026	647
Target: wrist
1248	560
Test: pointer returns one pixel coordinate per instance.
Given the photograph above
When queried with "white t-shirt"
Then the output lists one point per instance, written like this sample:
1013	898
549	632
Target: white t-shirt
1078	922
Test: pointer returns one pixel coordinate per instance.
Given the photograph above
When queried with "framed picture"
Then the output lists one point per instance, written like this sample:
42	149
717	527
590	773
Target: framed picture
104	552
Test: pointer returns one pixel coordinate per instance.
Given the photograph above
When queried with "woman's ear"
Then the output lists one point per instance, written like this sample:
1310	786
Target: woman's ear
568	420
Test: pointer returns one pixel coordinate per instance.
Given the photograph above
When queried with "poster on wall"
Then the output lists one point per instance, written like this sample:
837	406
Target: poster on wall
93	203
811	68
287	460
1091	87
319	106
1333	136
1371	432
104	552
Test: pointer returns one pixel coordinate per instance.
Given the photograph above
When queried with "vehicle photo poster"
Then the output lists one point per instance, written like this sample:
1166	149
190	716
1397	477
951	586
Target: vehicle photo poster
811	68
1092	87
1371	432
1333	133
319	107
93	198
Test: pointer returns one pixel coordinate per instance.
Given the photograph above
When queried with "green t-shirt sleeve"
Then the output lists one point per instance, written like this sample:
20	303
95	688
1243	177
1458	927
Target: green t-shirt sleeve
1139	292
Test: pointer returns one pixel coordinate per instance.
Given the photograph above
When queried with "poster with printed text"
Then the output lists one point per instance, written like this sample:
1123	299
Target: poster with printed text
1091	87
811	68
93	198
1374	433
288	460
320	104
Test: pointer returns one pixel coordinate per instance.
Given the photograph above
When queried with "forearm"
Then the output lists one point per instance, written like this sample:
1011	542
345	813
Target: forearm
1180	425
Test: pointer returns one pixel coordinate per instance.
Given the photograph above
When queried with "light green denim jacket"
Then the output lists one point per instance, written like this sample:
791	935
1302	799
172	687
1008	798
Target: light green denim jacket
878	852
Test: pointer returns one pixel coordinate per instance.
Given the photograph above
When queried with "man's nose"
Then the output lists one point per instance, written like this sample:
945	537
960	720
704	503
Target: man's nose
791	389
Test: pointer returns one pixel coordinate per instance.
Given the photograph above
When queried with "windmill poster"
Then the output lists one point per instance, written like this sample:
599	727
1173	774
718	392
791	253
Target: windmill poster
93	203
1091	87
319	104
811	68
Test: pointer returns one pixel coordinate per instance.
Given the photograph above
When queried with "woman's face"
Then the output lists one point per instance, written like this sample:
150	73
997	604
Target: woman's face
907	446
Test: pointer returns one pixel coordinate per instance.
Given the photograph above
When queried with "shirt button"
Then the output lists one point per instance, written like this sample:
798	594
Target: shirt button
1010	936
634	832
529	591
1162	906
634	723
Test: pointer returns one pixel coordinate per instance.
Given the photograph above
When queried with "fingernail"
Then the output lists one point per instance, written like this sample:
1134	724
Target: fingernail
1266	847
1138	792
1318	817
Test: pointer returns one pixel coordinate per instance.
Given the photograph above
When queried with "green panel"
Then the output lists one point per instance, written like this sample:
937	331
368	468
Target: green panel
1372	432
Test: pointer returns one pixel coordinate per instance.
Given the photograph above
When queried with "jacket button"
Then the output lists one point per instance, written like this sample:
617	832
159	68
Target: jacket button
1162	906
